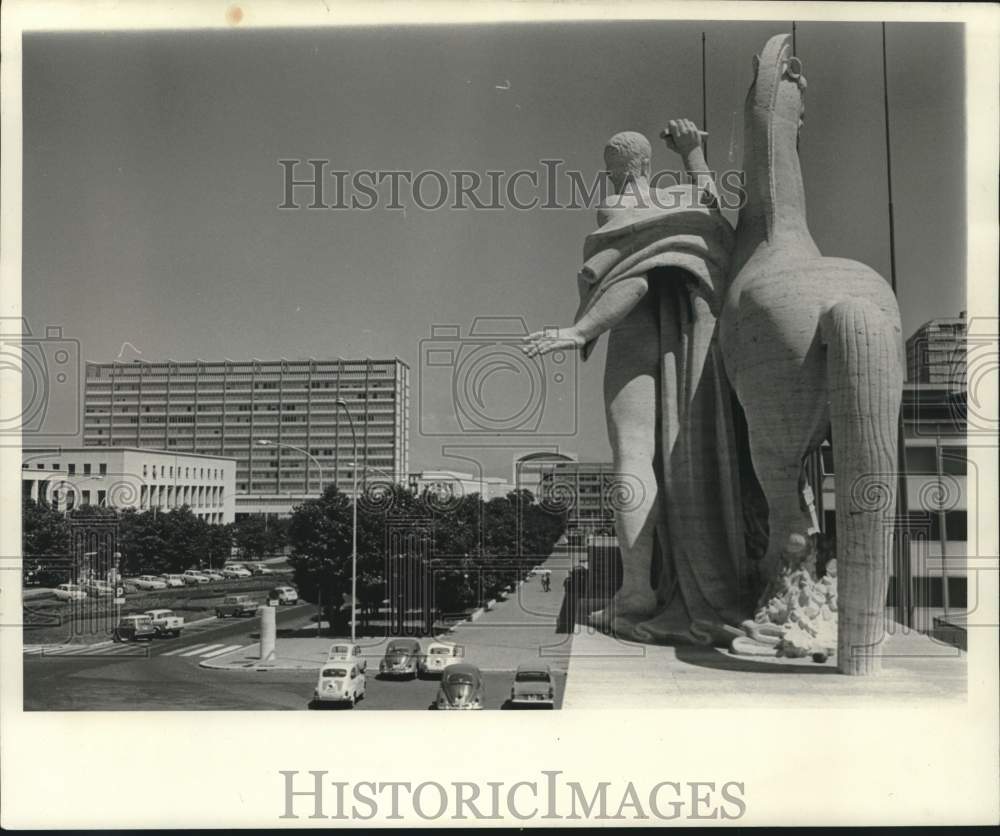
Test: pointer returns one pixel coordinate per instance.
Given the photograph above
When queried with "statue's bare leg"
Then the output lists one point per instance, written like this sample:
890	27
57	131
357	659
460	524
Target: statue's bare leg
631	394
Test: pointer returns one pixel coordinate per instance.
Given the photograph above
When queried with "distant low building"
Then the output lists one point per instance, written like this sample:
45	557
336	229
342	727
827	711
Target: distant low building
456	484
130	477
589	493
936	353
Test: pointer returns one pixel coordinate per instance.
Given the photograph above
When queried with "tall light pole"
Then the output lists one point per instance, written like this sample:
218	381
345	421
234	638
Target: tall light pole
263	442
354	521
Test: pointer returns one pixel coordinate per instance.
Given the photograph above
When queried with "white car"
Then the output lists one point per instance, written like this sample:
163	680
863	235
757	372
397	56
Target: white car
347	652
285	594
259	569
192	576
212	575
340	682
236	572
165	622
70	592
437	657
148	582
173	581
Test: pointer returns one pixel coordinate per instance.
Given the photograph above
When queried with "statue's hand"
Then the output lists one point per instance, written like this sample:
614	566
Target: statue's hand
683	136
552	339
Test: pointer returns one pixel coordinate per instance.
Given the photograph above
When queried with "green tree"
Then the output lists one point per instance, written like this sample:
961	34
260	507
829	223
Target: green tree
44	544
44	530
259	535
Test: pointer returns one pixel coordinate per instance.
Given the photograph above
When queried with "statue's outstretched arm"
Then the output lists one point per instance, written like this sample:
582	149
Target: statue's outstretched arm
610	308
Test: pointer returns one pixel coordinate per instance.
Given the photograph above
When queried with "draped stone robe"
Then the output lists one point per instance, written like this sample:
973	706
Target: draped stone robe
683	247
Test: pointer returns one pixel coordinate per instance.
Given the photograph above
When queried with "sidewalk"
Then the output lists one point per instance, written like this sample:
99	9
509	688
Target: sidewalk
520	629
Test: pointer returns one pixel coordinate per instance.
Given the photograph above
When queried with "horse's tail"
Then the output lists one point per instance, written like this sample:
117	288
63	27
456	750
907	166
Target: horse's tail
865	390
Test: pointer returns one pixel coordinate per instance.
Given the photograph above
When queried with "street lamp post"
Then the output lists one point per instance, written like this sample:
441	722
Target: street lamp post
354	521
263	442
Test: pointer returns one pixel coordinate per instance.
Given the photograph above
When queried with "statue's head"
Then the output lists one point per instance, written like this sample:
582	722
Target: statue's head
627	155
779	84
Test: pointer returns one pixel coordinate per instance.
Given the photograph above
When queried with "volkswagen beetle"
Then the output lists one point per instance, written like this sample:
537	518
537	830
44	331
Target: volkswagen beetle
461	688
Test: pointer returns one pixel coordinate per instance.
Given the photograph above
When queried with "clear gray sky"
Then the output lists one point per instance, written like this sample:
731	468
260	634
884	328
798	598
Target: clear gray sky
151	179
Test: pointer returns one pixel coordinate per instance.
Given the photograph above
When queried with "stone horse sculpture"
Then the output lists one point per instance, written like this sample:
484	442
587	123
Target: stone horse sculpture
812	344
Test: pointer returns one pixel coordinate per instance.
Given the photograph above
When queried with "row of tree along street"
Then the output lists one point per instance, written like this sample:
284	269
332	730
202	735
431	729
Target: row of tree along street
417	556
150	542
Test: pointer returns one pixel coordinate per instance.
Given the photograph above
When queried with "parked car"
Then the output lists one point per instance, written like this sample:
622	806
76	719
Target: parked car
439	655
402	658
342	682
461	688
70	592
212	575
236	606
234	572
259	569
99	588
150	582
285	594
166	623
347	652
533	685
192	576
135	627
173	581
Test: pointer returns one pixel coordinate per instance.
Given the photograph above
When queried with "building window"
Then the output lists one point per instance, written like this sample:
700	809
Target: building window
145	470
72	469
40	467
86	470
103	468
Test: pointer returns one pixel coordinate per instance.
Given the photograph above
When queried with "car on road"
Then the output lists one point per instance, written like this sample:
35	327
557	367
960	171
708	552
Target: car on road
70	592
236	606
149	582
193	576
347	652
234	572
285	594
402	658
340	682
461	688
212	575
533	685
173	581
135	627
439	655
166	623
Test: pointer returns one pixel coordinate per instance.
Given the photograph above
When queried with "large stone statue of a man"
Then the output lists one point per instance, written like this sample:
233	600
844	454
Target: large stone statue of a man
653	278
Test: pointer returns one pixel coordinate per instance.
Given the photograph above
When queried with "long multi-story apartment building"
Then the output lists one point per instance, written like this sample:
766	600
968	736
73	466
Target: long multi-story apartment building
287	423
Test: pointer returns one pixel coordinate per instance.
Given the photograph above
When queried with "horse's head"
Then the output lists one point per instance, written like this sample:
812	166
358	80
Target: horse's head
778	82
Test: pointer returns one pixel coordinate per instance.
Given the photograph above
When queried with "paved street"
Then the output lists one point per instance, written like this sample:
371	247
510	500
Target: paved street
167	674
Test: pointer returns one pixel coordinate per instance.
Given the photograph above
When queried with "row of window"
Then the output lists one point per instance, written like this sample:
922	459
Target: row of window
70	468
167	472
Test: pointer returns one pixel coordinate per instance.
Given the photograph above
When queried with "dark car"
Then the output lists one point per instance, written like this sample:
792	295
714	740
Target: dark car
133	628
402	658
461	688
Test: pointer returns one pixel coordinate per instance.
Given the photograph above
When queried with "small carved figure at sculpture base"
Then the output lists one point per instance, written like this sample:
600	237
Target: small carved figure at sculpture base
798	612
